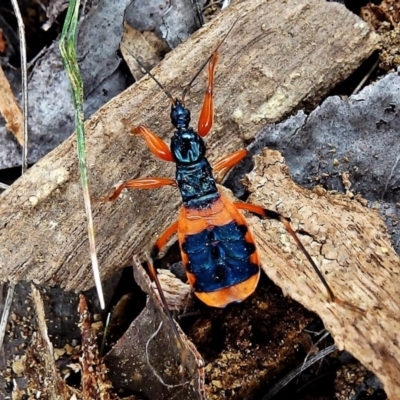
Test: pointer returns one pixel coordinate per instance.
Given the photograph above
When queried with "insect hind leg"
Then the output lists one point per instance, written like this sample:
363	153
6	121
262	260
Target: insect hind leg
160	243
270	214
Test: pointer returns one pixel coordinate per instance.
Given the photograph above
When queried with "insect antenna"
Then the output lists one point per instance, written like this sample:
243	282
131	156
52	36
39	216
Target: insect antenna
187	88
169	95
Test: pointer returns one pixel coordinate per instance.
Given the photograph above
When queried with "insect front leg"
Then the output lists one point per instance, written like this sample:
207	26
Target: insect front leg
206	118
156	145
264	212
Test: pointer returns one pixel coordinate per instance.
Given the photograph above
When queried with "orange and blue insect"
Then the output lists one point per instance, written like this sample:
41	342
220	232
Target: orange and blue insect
217	247
216	244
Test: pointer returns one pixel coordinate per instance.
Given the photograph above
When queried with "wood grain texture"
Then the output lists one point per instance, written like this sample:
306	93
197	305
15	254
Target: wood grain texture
40	367
278	56
350	244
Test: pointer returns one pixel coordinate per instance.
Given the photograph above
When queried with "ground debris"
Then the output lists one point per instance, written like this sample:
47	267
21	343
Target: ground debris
351	245
41	371
173	22
390	47
149	361
95	384
354	381
384	18
10	109
386	11
245	346
50	112
145	46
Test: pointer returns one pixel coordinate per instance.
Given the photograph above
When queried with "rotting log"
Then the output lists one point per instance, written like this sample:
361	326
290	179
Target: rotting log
351	246
268	67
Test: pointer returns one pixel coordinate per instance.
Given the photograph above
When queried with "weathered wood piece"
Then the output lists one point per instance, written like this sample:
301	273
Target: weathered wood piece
350	244
268	67
40	367
145	359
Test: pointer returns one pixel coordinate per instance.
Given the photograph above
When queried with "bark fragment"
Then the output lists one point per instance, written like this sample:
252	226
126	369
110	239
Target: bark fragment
147	359
350	244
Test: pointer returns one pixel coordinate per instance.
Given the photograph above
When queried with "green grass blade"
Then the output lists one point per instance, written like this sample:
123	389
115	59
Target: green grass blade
68	54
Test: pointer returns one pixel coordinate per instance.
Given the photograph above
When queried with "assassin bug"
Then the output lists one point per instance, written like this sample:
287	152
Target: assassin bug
217	247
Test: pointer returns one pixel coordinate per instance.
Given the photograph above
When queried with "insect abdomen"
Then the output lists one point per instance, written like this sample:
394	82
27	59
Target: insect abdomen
218	252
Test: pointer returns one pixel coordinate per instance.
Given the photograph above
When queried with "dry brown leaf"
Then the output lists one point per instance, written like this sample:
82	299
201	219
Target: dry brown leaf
3	42
145	46
10	109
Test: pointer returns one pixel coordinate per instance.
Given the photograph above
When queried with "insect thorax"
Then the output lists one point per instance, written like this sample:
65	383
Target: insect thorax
196	184
193	172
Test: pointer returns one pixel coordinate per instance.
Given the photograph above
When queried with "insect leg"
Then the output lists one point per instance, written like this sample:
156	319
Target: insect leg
264	212
140	183
223	166
160	243
206	118
163	239
156	145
